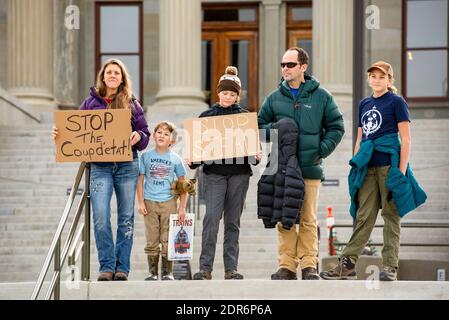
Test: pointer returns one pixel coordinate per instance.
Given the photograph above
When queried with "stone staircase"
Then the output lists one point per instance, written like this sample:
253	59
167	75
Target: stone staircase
261	292
33	193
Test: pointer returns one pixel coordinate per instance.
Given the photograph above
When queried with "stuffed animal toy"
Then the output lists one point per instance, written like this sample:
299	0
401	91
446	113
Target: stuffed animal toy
179	187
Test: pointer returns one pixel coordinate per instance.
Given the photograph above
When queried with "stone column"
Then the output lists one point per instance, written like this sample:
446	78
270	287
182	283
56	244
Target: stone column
271	47
66	35
180	54
30	52
332	49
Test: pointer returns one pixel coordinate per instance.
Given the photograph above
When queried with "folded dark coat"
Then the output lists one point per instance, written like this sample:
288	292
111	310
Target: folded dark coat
280	190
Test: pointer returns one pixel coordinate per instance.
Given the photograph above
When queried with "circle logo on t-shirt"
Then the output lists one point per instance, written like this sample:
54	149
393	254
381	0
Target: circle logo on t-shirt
371	121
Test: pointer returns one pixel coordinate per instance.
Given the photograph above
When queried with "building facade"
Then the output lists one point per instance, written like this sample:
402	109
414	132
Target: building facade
176	50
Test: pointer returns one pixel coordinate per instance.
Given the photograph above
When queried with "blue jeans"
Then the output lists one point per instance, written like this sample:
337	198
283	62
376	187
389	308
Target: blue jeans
104	178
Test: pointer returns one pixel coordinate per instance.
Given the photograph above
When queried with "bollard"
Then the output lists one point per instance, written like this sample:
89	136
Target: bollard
331	234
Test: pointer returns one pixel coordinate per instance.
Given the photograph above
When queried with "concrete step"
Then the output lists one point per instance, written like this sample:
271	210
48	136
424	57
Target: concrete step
8	238
265	260
39	231
248	217
33	201
244	248
17	211
32	148
432	180
416	215
46	140
407	236
39	165
36	264
39	223
251	289
43	237
440	206
261	253
23	172
135	275
46	157
56	192
260	262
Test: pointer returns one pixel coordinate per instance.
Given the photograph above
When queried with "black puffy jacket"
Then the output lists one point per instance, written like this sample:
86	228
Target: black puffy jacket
280	195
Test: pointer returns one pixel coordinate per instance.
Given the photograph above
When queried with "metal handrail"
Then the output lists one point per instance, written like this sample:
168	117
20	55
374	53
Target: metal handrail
54	252
403	225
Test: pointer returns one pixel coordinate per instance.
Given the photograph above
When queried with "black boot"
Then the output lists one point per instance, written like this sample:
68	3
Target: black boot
167	269
153	262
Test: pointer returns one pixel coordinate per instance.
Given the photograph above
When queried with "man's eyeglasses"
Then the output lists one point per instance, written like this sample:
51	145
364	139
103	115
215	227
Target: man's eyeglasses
289	64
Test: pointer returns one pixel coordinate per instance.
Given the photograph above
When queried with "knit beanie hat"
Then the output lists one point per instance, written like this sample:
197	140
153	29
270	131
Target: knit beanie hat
229	81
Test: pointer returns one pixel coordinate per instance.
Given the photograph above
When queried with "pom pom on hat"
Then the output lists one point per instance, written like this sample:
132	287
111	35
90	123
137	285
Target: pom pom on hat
229	81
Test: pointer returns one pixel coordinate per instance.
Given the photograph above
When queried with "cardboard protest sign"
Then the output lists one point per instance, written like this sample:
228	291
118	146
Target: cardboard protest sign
180	237
93	135
222	137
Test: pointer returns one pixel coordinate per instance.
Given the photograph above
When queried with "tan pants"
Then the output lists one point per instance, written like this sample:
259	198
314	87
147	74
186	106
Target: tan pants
301	246
156	226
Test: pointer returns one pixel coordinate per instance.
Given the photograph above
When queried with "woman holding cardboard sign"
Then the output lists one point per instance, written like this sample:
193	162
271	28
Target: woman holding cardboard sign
113	91
226	183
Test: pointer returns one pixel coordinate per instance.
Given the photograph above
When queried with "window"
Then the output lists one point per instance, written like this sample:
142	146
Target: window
299	28
425	56
230	37
230	14
119	35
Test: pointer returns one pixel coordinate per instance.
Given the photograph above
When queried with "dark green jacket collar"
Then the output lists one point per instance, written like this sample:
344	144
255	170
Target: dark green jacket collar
305	89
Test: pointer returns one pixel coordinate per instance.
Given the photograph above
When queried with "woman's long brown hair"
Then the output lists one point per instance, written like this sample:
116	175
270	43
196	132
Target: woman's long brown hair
122	99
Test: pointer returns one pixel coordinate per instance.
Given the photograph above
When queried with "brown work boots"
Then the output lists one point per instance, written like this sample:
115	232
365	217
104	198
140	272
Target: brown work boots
284	274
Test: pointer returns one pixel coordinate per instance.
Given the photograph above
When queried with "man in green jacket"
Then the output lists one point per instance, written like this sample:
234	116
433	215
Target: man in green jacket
300	97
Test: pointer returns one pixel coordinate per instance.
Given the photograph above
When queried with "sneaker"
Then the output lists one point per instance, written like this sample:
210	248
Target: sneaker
105	276
202	275
388	274
151	277
120	276
233	275
344	270
309	273
168	276
284	274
